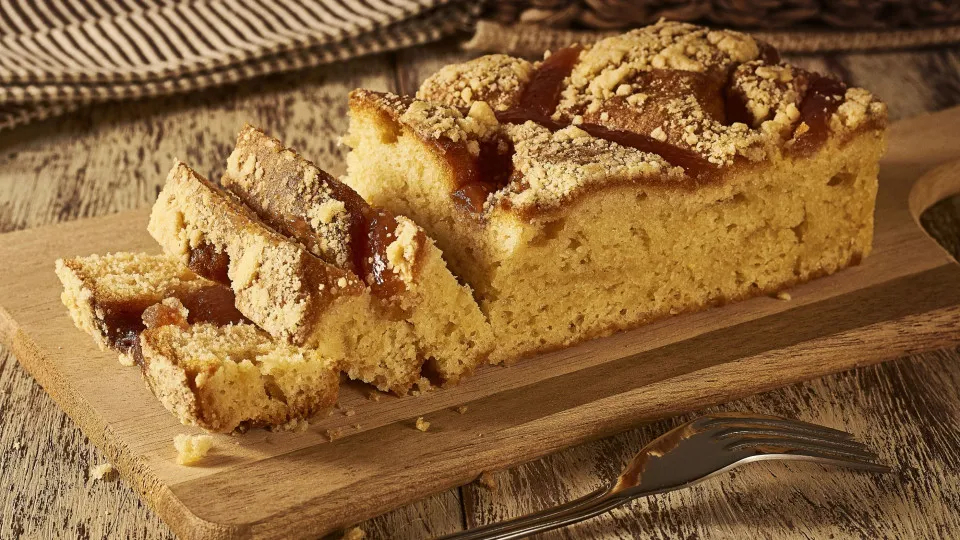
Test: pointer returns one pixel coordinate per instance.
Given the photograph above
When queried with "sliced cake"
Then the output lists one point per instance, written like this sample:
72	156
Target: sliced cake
106	296
663	170
234	377
281	287
403	269
205	363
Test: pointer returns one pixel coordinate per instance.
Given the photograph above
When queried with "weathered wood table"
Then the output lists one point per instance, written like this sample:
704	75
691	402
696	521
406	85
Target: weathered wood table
115	157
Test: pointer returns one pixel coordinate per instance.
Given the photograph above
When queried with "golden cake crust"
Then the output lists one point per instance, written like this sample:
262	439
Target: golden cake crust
706	102
279	285
332	221
660	171
274	181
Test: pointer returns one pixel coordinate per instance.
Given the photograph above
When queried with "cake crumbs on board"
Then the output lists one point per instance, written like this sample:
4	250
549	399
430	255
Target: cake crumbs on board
192	448
487	480
356	533
103	471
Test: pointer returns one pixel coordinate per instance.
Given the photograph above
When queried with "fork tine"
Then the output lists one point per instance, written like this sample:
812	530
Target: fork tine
789	434
784	445
777	422
864	465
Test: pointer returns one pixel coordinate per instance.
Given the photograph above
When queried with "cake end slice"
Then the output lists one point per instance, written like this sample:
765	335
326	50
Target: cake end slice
200	357
234	377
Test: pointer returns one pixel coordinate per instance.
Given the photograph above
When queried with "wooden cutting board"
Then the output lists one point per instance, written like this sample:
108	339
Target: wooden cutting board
903	298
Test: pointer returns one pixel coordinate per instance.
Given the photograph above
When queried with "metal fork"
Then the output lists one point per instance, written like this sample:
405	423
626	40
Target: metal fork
690	454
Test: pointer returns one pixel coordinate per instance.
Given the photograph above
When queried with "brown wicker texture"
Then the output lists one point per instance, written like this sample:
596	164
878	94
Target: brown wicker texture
530	40
758	14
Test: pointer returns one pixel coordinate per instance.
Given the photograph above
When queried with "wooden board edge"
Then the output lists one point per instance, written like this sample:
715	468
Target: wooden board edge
132	469
907	335
933	186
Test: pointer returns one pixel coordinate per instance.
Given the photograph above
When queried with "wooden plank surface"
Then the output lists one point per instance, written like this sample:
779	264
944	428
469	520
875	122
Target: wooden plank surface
47	174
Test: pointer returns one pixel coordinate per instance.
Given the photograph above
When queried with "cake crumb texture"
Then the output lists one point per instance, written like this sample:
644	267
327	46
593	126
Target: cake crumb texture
280	286
234	377
407	272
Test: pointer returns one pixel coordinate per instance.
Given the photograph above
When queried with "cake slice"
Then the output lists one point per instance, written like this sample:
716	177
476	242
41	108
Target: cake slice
403	269
206	363
281	287
106	296
664	170
234	377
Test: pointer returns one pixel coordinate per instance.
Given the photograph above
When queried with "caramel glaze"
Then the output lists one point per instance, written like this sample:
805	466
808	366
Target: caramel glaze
768	53
479	176
123	321
691	162
542	94
823	97
493	169
370	253
207	261
214	305
122	324
370	230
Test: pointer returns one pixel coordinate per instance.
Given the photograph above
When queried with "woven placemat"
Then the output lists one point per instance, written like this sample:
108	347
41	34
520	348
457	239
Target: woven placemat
530	40
755	14
56	61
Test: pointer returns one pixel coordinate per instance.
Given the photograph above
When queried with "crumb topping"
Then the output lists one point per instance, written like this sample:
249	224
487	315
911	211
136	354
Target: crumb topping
402	252
608	68
769	92
487	480
496	79
555	165
710	94
858	107
102	471
442	121
355	533
315	199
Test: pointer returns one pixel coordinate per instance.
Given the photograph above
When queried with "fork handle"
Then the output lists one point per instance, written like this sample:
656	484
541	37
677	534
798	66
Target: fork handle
588	506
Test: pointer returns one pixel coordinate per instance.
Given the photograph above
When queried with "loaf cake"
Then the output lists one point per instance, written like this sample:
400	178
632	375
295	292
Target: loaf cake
400	265
663	170
281	287
206	363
